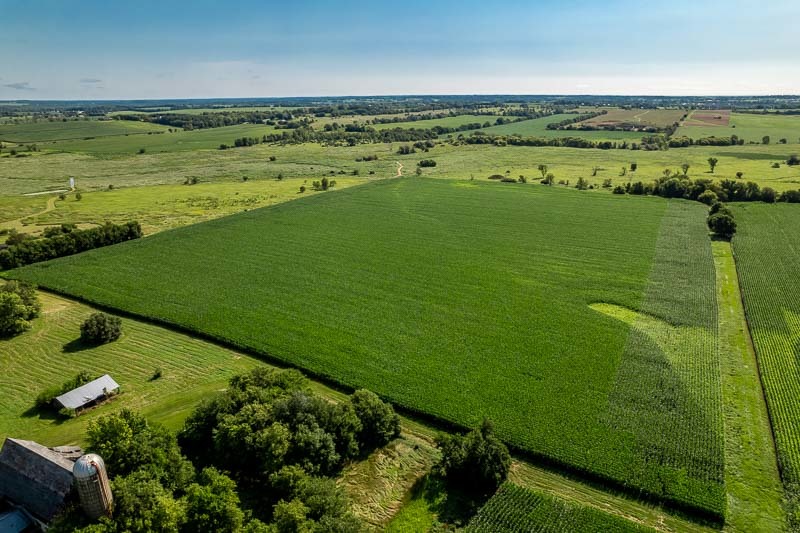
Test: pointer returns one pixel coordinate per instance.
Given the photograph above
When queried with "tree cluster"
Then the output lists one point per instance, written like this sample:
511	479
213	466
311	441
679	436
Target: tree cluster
477	462
101	328
33	251
18	306
720	221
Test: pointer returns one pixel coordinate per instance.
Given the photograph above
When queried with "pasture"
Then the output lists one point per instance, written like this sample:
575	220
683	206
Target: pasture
768	251
448	122
46	131
461	300
750	127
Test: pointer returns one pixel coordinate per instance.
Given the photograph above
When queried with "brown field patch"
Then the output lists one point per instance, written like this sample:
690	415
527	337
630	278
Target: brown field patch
644	118
712	117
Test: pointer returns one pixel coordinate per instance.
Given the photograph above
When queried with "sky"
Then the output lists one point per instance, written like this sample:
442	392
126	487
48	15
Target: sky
119	49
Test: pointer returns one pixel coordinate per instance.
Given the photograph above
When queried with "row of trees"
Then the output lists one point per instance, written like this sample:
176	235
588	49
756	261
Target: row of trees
574	120
34	250
707	191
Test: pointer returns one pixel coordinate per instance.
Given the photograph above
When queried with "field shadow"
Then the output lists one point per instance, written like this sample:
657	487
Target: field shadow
451	504
76	345
43	413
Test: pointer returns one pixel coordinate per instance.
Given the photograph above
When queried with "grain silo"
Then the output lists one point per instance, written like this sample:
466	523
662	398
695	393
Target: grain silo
93	488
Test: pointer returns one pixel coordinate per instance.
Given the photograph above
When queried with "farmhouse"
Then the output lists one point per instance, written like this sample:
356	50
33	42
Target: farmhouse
88	394
36	478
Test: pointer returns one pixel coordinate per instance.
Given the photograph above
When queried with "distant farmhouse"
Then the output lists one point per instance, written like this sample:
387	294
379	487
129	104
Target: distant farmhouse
35	483
89	394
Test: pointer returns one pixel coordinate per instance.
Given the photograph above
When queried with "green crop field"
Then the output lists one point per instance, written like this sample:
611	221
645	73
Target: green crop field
767	249
514	509
537	127
751	128
463	300
37	132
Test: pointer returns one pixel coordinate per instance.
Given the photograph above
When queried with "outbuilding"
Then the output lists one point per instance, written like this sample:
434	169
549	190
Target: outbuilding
87	395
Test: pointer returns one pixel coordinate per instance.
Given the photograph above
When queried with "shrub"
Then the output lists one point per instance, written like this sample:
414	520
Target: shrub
768	195
272	158
78	196
582	184
496	177
302	188
776	165
722	224
708	197
793	160
477	462
427	163
619	189
101	328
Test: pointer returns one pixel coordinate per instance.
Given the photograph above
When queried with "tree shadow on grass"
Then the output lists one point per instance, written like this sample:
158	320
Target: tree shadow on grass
44	413
451	504
77	345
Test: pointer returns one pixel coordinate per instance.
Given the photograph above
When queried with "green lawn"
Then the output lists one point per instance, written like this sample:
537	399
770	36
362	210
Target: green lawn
751	127
462	300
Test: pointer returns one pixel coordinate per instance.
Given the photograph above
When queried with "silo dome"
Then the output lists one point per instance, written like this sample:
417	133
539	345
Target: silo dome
87	465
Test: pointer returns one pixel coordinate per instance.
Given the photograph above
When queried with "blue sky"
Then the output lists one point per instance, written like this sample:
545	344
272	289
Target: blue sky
180	49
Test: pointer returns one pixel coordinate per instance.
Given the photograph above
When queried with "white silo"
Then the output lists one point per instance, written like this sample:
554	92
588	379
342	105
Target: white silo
94	490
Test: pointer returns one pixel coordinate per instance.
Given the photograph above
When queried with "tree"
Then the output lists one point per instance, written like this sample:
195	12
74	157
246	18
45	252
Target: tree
18	306
768	195
379	423
634	166
685	169
708	197
212	504
477	462
13	313
582	184
543	170
765	139
142	504
128	443
793	160
101	328
712	163
722	224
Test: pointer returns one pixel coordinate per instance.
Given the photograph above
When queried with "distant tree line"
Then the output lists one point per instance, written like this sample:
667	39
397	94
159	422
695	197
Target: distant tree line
573	120
215	119
33	251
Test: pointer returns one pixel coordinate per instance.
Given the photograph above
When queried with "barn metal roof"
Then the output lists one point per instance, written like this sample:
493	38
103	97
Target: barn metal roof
87	393
14	521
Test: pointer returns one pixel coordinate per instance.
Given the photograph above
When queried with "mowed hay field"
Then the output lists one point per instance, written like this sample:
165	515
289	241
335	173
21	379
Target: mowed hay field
657	118
767	248
36	132
747	126
462	300
51	353
514	509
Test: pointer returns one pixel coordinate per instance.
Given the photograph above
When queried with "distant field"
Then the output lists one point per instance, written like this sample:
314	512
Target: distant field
749	127
38	132
449	122
517	510
464	300
767	248
538	128
708	117
658	118
177	141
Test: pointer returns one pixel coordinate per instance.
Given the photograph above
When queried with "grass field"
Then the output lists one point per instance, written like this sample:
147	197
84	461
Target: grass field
351	272
163	207
517	510
38	132
751	127
448	122
767	250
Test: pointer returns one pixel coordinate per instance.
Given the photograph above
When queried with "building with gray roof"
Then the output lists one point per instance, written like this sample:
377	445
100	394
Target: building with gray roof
88	394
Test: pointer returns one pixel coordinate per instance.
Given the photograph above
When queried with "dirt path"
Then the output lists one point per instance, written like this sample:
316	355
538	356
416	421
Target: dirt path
399	169
19	226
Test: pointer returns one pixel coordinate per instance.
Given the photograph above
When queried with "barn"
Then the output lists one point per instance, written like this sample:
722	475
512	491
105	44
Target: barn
87	395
